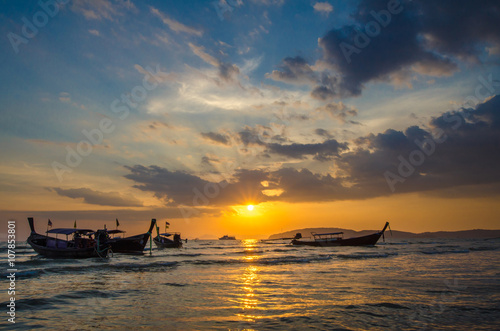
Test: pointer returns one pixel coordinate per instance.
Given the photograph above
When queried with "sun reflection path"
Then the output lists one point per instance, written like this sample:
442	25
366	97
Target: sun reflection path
250	282
264	293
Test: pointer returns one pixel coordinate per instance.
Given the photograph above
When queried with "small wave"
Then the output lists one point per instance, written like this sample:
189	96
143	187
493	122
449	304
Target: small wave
447	246
24	274
264	261
38	260
440	291
82	294
483	248
175	284
113	267
287	260
140	266
388	305
462	251
363	256
37	303
188	254
371	314
284	250
247	252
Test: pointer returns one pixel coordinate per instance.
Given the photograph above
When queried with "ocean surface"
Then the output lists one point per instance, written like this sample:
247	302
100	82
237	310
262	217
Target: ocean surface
250	285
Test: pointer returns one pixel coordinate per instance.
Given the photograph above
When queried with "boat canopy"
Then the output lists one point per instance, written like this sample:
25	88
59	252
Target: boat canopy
165	234
327	234
68	231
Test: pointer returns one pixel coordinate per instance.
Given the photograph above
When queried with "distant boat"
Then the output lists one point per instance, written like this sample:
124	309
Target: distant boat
226	237
134	244
82	245
162	240
336	239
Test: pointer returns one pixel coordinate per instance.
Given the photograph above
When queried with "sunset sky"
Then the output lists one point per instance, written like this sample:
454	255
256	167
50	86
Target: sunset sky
319	114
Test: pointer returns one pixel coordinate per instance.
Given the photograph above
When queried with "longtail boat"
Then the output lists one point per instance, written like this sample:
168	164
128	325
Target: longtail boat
336	239
84	243
133	244
162	240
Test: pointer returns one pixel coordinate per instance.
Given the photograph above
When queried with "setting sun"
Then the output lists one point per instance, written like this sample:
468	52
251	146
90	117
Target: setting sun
250	207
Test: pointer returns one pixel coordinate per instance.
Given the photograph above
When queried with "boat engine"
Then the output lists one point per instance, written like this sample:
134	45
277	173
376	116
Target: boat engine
102	244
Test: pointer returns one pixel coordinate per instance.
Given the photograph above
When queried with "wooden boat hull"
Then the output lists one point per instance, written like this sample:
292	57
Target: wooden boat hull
167	243
130	244
68	253
369	240
39	244
134	244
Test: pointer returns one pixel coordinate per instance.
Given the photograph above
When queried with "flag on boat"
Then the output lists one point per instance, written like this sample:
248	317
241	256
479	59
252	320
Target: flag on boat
74	225
49	223
117	223
166	225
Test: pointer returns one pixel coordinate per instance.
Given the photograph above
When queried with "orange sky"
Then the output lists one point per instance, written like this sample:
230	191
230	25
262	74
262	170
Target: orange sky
410	212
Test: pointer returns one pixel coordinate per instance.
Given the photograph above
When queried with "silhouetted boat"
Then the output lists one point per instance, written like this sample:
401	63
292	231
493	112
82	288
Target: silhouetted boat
226	237
133	244
162	240
82	245
336	239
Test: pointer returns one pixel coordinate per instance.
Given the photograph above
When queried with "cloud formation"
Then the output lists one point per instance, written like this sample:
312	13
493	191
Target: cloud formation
324	151
175	25
102	9
460	150
216	138
394	41
227	72
323	7
98	198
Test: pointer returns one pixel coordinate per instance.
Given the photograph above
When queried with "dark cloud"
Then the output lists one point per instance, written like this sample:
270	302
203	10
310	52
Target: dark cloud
322	151
174	187
423	37
461	148
256	136
206	160
178	188
216	137
98	198
294	70
228	72
338	111
470	25
278	144
323	133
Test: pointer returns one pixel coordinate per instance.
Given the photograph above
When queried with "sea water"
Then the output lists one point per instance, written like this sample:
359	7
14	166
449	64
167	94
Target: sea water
433	284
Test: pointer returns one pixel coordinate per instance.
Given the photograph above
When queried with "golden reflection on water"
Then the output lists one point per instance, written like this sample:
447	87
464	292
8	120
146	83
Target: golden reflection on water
250	280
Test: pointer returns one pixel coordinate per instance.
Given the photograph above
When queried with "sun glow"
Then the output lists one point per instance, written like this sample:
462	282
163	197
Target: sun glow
250	207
